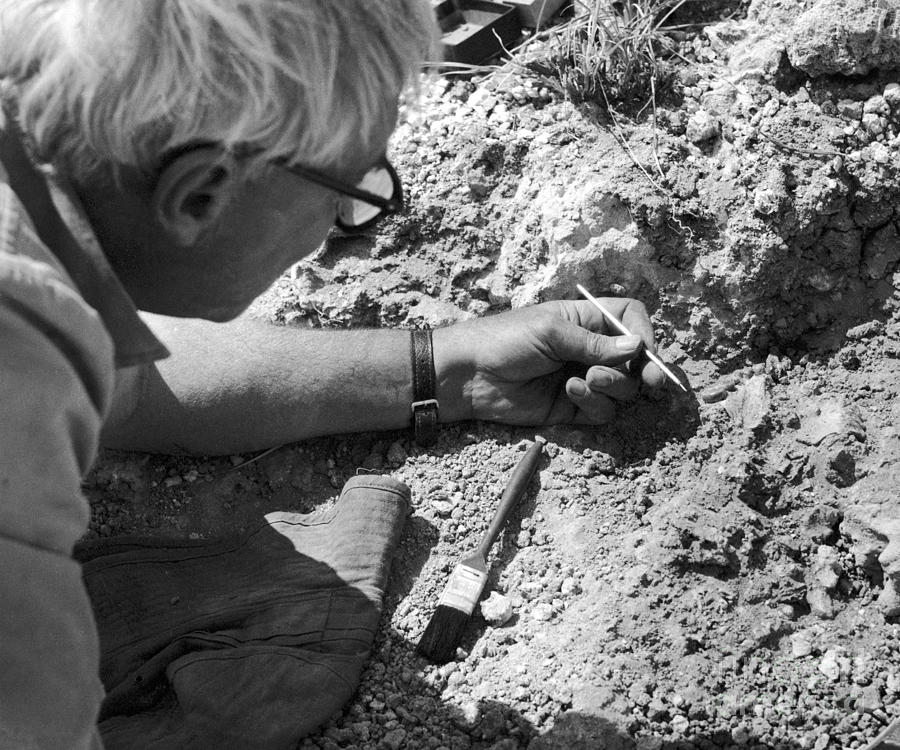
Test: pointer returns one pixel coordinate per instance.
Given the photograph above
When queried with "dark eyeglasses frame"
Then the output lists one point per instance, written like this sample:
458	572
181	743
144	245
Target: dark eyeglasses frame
387	205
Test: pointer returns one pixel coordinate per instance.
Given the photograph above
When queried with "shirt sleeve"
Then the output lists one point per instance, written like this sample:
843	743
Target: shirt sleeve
55	382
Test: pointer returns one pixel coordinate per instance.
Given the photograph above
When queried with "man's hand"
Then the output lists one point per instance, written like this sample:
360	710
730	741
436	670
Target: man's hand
548	364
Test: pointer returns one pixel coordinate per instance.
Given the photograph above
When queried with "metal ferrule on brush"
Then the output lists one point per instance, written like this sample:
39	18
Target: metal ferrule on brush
464	589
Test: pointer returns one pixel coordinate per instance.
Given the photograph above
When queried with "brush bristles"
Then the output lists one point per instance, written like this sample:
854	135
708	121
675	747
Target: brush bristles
440	639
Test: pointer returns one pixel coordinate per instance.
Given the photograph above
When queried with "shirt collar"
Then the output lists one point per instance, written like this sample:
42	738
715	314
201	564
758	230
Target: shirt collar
76	247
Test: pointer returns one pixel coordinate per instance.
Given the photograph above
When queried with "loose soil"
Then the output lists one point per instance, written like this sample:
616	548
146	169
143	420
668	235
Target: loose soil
715	569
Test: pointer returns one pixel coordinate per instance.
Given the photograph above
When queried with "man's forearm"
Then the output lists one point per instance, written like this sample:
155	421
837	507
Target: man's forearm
248	385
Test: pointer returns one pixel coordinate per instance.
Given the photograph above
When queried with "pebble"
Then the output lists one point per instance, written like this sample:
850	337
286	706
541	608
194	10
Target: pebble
471	712
892	683
496	609
702	126
880	153
442	508
715	392
892	94
766	200
542	612
801	644
829	665
869	700
740	735
394	739
680	724
877	105
865	330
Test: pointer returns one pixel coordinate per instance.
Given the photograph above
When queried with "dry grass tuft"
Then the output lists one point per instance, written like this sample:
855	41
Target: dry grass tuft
609	53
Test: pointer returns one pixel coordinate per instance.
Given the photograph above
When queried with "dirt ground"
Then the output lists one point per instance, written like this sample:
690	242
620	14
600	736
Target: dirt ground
715	569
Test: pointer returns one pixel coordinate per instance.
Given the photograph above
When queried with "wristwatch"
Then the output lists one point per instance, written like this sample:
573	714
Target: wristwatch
424	405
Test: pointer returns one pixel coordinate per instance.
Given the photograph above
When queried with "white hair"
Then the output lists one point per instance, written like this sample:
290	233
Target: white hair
122	82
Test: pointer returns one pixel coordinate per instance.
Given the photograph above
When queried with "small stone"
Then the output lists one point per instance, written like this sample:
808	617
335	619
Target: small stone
831	417
869	700
496	609
822	741
821	522
471	712
750	404
715	392
542	612
877	105
393	740
820	603
865	330
442	508
680	724
740	735
892	683
829	665
826	568
801	644
892	94
702	126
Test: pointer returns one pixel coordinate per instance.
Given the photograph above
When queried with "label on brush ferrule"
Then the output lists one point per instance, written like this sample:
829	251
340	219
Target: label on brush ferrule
464	589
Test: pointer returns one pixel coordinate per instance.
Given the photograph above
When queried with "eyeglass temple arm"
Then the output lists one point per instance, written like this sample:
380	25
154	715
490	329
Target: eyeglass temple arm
391	204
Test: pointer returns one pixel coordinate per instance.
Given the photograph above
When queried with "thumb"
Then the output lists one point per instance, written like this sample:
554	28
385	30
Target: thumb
576	344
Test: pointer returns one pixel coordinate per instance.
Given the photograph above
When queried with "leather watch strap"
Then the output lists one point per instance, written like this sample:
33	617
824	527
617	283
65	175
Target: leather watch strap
425	405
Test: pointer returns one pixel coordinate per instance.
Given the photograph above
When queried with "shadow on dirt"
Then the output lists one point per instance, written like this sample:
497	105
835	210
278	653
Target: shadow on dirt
492	724
400	697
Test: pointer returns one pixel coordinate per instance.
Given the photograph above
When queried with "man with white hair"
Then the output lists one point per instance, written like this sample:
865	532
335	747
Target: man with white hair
173	157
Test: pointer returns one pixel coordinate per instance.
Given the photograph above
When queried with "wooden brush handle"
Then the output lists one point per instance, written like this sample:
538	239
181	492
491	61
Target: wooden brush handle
518	482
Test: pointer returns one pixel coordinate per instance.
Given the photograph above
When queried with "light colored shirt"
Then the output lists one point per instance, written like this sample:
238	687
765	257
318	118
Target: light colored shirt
58	354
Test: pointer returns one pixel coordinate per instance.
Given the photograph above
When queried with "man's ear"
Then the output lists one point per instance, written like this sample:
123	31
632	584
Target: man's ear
192	192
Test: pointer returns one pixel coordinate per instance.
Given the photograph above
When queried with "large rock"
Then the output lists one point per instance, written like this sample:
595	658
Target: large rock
850	37
872	522
587	236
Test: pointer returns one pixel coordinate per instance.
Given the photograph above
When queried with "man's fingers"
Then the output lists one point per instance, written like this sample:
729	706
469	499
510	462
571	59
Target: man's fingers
635	319
613	383
630	312
651	375
593	407
573	343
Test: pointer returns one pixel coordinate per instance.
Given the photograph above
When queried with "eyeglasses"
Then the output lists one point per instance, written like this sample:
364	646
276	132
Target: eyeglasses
377	195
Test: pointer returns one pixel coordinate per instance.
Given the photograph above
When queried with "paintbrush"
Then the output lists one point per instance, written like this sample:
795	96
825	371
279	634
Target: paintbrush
617	324
463	590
